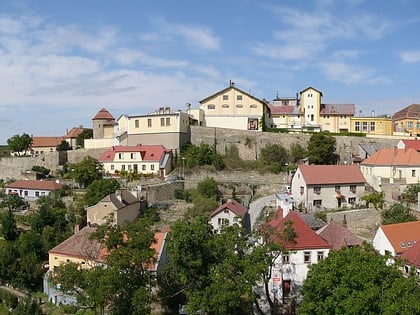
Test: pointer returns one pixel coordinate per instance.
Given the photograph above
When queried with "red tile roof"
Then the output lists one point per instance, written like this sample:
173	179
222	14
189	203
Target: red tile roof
75	132
38	142
35	184
234	206
396	157
400	234
331	174
411	111
103	114
413	144
412	255
147	152
283	109
337	109
306	237
338	236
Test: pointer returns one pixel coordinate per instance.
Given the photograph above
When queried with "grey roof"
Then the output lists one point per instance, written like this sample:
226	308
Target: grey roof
369	148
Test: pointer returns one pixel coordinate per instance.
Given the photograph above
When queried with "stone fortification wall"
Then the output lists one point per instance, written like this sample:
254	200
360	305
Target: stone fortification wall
249	143
161	192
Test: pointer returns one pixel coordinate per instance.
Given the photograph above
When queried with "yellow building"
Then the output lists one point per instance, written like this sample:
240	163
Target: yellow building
406	122
233	108
381	126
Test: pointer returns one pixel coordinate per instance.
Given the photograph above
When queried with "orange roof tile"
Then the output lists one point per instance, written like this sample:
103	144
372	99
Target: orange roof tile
412	255
38	142
75	132
104	114
338	236
397	157
400	234
331	174
35	184
306	237
413	144
148	152
234	206
411	111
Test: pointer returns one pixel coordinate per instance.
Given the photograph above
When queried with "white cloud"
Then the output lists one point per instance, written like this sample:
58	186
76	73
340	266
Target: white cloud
346	54
128	56
410	56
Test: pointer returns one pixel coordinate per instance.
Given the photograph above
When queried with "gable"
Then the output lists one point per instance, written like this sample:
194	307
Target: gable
232	206
402	235
228	89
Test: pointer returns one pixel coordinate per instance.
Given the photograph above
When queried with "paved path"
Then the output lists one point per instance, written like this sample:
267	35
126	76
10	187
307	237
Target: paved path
256	207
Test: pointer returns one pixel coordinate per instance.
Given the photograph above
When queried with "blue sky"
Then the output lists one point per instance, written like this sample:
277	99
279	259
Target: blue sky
62	61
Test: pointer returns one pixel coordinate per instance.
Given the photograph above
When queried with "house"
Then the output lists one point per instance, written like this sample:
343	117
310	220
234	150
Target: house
230	213
71	136
43	145
391	165
140	159
87	253
411	259
104	131
338	236
406	122
395	239
327	186
32	189
233	108
291	268
121	206
170	128
372	125
409	143
309	113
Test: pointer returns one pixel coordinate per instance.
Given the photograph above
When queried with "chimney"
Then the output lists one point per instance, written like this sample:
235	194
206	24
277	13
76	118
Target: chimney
76	229
119	195
231	83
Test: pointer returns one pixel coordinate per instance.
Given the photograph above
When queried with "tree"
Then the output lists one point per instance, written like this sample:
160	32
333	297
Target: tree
63	146
397	213
358	280
296	153
99	189
42	172
321	149
203	154
8	226
87	171
208	188
410	194
20	143
377	199
85	134
275	157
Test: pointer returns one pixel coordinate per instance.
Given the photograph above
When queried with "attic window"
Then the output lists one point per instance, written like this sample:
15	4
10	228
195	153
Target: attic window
402	244
409	244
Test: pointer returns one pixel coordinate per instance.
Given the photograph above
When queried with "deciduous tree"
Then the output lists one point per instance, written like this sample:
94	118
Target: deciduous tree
321	149
20	143
397	213
87	171
100	188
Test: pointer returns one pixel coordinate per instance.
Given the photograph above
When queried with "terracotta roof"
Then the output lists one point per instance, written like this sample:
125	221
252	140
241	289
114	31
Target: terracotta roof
413	144
338	236
46	141
396	157
411	111
75	132
103	114
412	255
401	234
337	109
35	184
79	245
234	206
232	86
284	109
306	237
148	152
158	246
331	174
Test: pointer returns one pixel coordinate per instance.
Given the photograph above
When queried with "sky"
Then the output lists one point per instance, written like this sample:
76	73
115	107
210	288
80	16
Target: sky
63	61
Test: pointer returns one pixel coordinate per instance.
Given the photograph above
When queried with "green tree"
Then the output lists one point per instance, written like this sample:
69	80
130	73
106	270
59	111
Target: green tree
85	134
42	172
28	306
208	188
275	157
410	194
296	153
358	280
12	202
397	213
20	143
8	258
8	226
377	199
321	149
87	171
99	189
203	154
63	146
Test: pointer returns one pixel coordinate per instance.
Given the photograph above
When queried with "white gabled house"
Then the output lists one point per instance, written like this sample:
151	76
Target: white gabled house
32	189
230	213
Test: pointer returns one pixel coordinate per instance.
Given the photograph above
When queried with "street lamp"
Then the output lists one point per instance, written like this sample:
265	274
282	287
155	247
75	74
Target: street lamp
183	168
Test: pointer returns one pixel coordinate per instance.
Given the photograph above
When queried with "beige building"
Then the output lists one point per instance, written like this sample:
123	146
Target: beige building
373	125
140	159
104	131
309	113
406	122
233	108
121	206
164	126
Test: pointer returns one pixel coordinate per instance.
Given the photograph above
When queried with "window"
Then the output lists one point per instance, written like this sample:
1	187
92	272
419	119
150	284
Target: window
353	188
306	257
168	121
239	97
357	126
133	155
26	193
302	190
239	106
152	167
312	117
143	167
225	97
123	167
112	167
418	125
352	200
254	106
364	126
211	106
129	167
317	190
121	156
136	123
37	194
42	193
337	188
285	258
149	122
409	124
318	203
372	126
413	173
320	256
162	121
223	221
225	106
